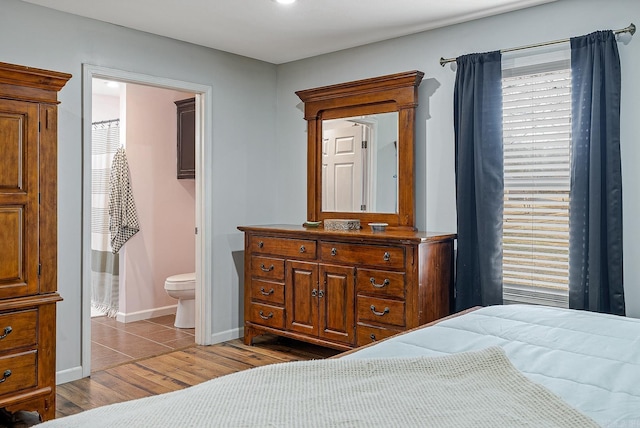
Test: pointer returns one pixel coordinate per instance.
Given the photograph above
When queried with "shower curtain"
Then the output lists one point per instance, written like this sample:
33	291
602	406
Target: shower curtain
105	142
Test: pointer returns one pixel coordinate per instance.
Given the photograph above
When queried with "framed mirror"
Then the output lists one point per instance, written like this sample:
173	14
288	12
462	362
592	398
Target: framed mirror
360	150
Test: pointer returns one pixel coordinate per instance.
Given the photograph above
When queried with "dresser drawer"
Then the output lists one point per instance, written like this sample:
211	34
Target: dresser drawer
267	267
372	255
18	371
367	334
18	329
380	282
383	311
285	247
271	316
267	291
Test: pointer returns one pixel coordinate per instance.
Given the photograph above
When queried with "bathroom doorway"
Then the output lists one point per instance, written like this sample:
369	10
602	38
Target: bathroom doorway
148	319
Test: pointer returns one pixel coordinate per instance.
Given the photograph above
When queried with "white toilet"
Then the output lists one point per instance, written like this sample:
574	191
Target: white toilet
183	288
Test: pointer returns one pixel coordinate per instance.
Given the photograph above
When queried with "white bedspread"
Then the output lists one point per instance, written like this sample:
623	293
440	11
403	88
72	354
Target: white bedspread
590	360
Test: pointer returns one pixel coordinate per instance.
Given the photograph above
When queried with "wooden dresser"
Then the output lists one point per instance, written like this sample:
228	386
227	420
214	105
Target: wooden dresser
343	289
28	238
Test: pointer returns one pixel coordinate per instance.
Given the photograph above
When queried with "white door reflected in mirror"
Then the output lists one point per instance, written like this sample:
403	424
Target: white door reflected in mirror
359	164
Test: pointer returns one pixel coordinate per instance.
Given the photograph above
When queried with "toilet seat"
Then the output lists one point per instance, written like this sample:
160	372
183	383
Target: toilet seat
183	281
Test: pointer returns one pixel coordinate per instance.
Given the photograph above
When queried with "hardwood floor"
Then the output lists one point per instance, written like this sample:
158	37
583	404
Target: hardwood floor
178	370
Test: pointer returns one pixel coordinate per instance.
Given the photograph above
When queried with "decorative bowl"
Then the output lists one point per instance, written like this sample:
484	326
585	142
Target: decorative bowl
312	223
378	227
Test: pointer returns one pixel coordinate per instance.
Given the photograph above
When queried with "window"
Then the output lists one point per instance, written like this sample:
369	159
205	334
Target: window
537	142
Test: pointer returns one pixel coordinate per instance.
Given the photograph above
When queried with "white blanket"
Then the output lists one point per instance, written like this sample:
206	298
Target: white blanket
590	360
474	389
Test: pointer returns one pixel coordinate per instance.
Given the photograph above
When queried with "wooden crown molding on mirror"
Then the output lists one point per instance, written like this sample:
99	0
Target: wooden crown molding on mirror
390	93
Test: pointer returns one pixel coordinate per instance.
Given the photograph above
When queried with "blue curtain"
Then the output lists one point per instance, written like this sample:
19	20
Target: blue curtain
479	179
595	209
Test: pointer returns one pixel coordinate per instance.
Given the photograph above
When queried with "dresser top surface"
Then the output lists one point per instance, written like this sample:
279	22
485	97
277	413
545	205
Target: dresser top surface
364	233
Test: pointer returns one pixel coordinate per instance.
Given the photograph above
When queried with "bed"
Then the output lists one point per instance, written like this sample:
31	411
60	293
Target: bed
512	365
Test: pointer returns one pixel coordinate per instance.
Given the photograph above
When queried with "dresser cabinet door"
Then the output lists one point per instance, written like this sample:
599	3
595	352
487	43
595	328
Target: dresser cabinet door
336	300
19	258
302	297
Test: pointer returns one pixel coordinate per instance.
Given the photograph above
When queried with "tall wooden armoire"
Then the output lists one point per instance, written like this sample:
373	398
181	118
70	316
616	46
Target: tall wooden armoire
28	237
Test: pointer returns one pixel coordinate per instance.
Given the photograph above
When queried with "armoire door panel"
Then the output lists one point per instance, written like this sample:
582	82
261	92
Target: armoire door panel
337	310
18	147
19	199
301	297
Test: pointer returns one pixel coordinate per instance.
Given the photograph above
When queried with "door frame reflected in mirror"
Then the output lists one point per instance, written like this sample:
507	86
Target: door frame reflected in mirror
390	93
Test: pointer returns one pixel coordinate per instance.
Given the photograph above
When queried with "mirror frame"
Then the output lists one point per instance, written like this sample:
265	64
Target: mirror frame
394	92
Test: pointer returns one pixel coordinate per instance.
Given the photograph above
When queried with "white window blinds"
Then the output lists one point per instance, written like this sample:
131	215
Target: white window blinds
537	141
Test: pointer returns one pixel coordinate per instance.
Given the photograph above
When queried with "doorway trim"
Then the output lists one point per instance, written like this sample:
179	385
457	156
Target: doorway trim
204	199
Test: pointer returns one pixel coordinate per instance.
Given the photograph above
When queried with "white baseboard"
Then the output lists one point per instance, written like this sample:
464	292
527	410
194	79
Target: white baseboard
146	314
223	336
68	375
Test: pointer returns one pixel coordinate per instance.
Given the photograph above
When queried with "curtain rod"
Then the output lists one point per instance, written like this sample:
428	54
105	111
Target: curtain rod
105	122
630	29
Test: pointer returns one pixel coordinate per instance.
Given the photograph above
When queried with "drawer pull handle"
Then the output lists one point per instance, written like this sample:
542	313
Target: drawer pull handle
302	249
314	292
260	244
264	269
6	374
373	309
265	317
334	251
384	283
373	337
266	293
7	330
386	257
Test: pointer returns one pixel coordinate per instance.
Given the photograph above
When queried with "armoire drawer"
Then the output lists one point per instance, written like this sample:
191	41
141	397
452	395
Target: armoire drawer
267	291
18	371
18	329
383	311
380	282
267	267
271	316
372	255
285	247
367	334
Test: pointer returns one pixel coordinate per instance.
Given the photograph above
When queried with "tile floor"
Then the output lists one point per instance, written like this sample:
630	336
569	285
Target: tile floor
114	343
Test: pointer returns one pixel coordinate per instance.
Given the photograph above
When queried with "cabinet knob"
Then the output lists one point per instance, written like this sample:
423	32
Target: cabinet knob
321	293
5	375
373	337
334	251
386	257
260	244
314	292
302	249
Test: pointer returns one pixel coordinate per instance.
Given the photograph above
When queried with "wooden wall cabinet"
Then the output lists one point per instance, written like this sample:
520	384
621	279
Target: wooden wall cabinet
343	289
186	145
28	237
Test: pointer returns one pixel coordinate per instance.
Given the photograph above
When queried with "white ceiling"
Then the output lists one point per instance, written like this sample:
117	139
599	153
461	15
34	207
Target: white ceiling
268	31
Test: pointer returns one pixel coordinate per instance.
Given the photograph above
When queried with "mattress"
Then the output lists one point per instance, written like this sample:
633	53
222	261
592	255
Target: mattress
590	360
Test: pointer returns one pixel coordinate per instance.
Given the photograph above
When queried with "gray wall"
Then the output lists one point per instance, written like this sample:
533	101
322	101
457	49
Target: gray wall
243	136
434	145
